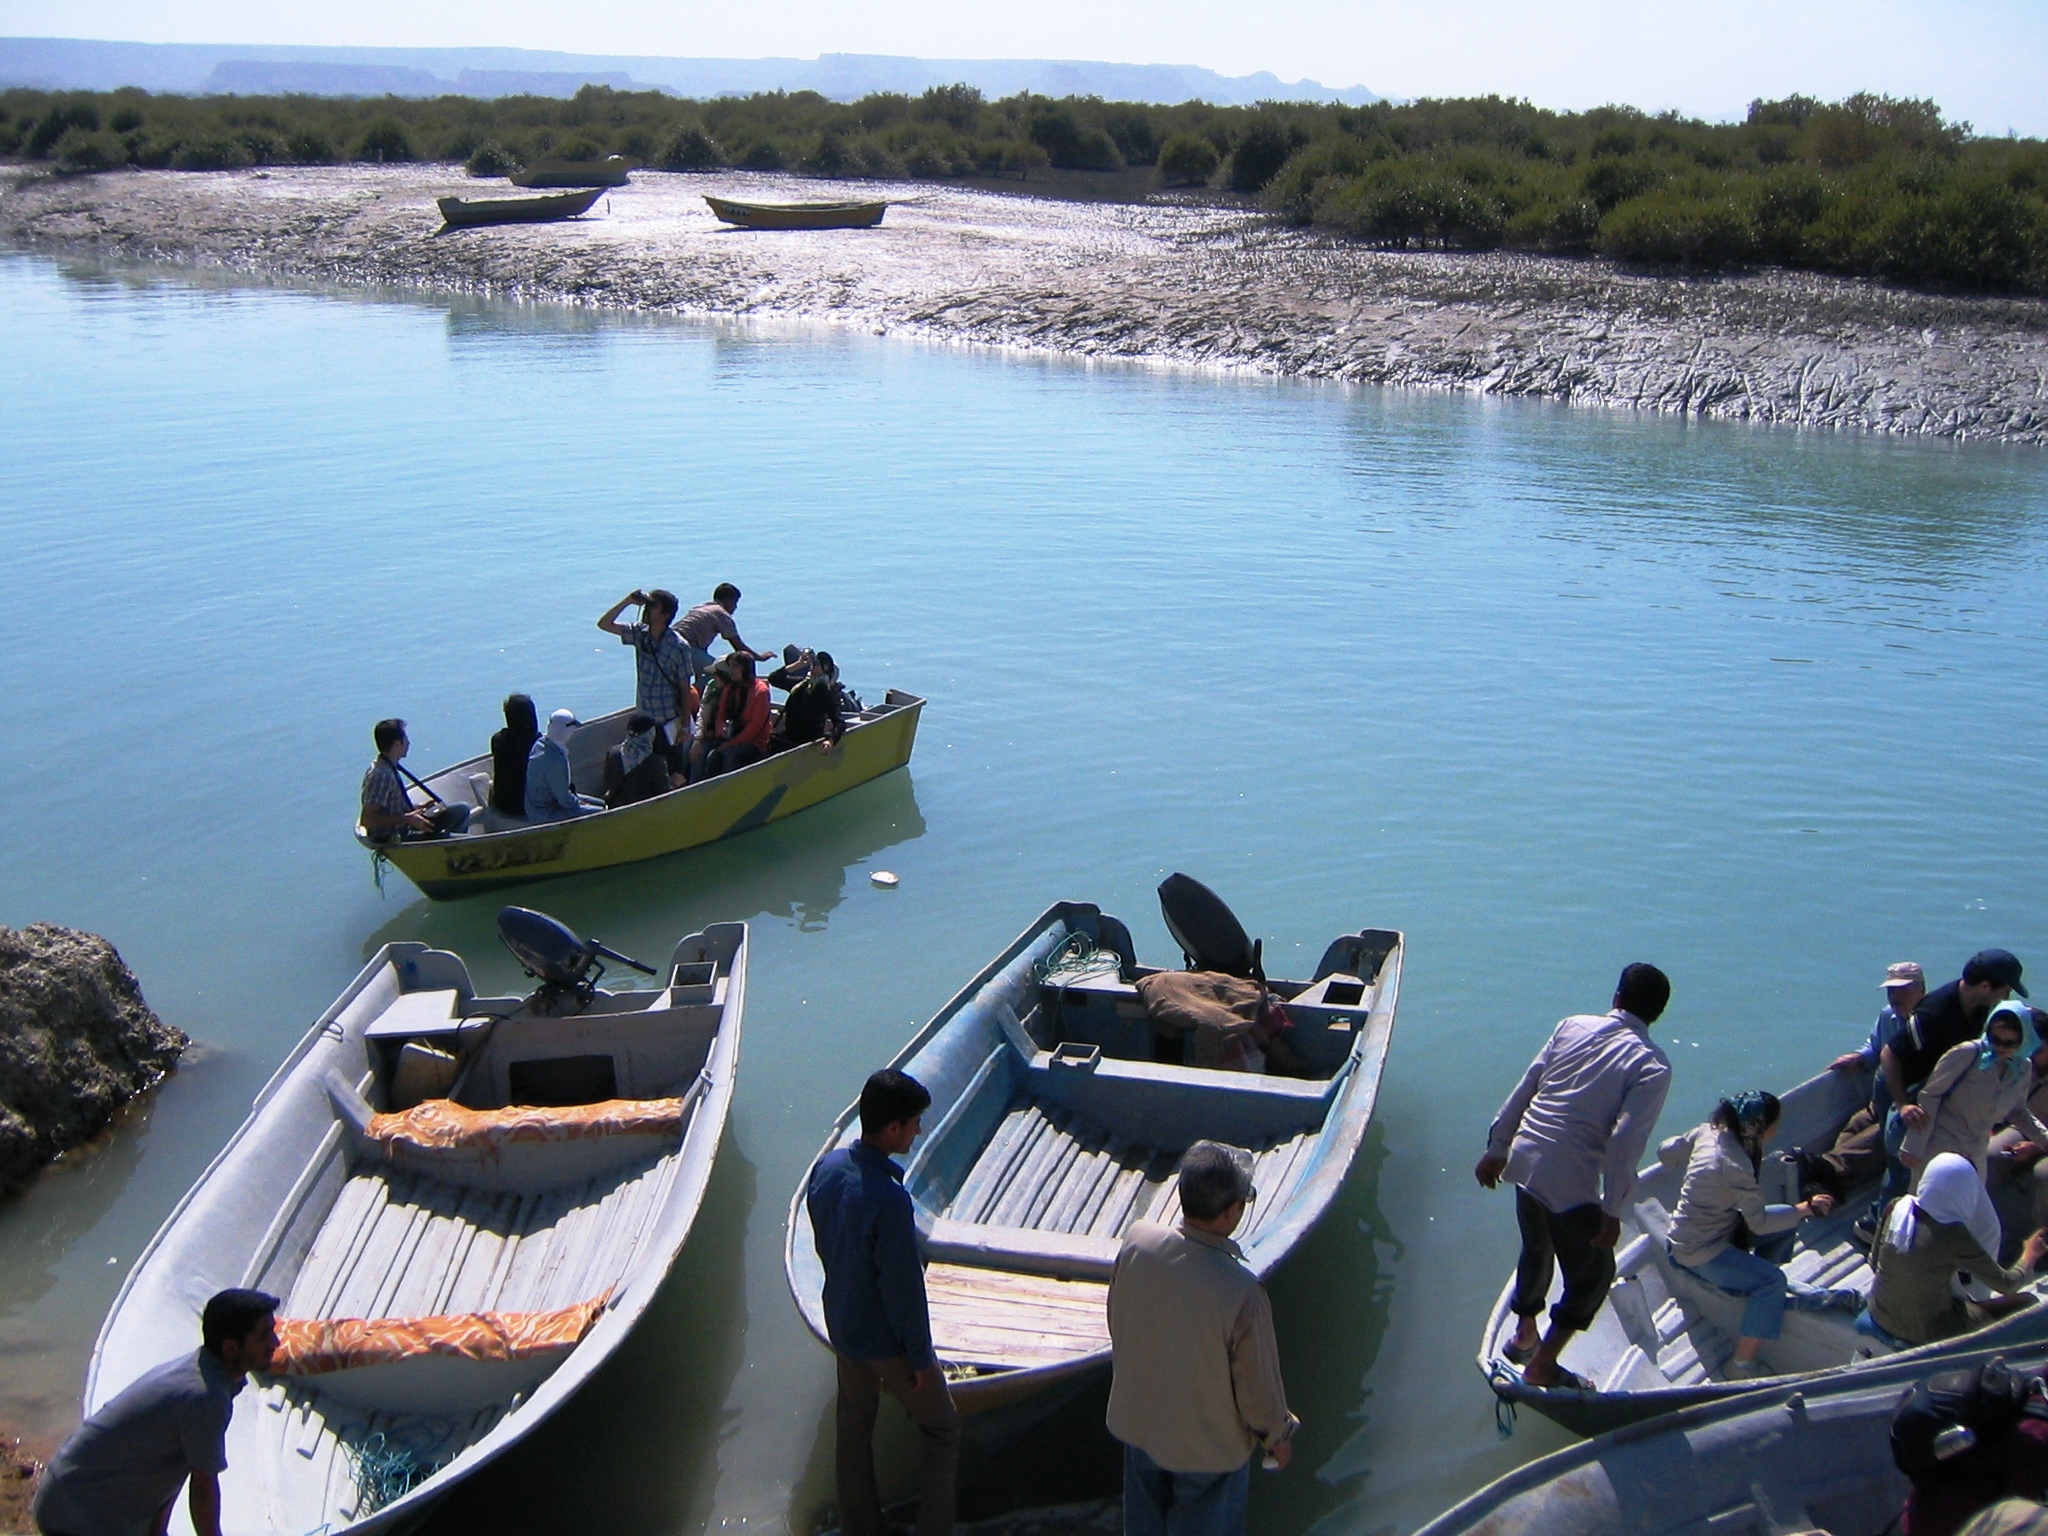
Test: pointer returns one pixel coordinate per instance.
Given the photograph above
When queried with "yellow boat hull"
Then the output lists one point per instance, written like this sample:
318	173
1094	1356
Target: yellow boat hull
778	786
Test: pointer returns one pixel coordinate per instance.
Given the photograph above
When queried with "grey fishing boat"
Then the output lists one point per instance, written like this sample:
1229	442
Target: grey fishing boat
1054	1125
465	1202
1785	1457
1663	1338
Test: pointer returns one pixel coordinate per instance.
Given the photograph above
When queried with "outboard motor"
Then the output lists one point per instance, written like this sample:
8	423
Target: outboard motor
564	965
1208	933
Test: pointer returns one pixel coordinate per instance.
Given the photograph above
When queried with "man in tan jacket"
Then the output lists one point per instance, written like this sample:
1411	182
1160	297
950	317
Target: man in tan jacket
1197	1386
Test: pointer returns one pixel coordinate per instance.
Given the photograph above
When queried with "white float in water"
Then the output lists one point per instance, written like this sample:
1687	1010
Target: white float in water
884	879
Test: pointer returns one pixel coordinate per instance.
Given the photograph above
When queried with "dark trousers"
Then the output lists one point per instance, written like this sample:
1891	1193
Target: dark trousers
861	1385
736	754
1554	1240
1162	1503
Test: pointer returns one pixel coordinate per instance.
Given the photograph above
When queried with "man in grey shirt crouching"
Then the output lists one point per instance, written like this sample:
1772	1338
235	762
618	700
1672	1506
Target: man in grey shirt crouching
119	1474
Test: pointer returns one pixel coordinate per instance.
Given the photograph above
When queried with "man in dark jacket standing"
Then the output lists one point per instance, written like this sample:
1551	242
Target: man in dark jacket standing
875	1313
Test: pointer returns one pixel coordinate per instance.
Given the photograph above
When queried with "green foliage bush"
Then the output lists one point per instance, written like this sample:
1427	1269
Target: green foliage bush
1871	185
491	158
81	150
690	148
1186	160
385	142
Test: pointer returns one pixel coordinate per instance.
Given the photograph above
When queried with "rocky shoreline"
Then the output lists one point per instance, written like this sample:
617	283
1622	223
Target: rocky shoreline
1173	281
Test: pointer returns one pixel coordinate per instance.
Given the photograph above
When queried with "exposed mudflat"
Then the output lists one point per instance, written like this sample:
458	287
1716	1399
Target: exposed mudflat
1174	281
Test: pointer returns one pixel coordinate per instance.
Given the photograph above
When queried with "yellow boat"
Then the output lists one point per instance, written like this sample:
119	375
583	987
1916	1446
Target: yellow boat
498	851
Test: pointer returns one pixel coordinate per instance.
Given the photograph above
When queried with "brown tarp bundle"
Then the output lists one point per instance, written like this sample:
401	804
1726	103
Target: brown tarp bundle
442	1123
1221	1012
309	1346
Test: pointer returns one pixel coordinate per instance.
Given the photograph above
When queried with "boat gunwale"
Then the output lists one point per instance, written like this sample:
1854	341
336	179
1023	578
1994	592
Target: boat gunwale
1263	1255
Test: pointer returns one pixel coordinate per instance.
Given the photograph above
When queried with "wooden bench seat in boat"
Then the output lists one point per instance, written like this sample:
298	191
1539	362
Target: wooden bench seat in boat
995	1320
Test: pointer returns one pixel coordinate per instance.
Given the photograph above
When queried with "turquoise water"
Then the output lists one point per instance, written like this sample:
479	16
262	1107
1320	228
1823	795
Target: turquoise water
1548	690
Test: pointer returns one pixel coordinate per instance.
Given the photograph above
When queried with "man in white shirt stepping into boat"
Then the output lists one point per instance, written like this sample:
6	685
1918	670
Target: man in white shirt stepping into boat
120	1472
1569	1138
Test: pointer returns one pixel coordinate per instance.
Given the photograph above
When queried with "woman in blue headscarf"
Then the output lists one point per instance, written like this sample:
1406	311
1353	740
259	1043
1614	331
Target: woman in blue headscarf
1725	1235
1975	1087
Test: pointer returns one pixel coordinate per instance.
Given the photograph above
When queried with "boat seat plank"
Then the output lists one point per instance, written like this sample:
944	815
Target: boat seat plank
994	1318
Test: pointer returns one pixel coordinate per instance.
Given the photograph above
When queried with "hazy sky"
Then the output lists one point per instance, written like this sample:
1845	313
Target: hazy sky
1984	60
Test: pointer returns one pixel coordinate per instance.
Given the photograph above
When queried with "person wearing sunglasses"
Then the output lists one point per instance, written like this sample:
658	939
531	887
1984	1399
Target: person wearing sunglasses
1974	1088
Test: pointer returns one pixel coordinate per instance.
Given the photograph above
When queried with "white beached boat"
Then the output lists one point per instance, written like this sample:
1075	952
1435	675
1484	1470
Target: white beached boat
1786	1457
1054	1125
1663	1338
465	1202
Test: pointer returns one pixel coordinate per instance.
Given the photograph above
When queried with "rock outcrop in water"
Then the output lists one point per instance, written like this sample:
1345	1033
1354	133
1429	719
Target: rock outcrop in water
76	1043
1173	281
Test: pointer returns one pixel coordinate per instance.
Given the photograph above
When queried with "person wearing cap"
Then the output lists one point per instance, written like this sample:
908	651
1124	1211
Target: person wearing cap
550	794
1858	1151
1945	1018
1195	1389
120	1472
1569	1138
1975	1087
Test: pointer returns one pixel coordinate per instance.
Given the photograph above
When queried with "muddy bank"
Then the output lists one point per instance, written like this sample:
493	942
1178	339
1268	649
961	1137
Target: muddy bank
1174	281
76	1043
18	1470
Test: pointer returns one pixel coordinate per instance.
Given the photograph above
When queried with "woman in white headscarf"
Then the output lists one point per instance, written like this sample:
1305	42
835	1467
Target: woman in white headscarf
550	796
1947	1224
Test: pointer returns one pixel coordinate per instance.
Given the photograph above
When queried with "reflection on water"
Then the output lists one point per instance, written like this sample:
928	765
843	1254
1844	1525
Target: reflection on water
1550	690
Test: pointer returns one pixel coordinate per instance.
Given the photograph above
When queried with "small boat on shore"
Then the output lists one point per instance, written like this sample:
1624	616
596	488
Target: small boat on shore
465	1203
1054	1125
612	171
1786	1457
1663	1337
499	851
812	215
471	213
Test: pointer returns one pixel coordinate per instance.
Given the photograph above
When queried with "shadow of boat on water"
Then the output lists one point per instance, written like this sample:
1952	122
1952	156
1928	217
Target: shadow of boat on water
797	869
643	1434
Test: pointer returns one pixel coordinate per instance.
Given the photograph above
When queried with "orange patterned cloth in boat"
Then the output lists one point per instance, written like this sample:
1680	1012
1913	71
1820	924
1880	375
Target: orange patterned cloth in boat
443	1123
309	1346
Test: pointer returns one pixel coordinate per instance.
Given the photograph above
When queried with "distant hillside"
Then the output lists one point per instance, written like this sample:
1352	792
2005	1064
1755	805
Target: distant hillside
74	64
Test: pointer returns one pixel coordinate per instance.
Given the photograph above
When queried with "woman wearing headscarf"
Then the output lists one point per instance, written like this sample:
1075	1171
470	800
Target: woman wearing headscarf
1722	1204
1974	1088
550	796
1946	1225
509	750
732	725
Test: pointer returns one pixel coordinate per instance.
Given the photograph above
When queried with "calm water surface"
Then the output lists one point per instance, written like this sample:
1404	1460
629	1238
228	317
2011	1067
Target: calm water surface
1550	691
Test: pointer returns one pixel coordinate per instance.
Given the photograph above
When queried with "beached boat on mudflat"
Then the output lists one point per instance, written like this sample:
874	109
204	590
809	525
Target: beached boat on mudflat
1787	1457
498	851
812	215
612	171
465	1202
1054	1126
1662	1339
469	213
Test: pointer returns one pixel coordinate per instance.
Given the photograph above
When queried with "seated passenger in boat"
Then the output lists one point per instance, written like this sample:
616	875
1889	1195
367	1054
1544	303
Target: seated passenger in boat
635	769
550	796
1947	1225
732	726
812	711
2017	1169
510	749
1859	1151
388	812
1721	1203
1975	1087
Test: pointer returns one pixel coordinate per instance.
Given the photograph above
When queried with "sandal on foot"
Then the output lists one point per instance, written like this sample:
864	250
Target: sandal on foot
1565	1381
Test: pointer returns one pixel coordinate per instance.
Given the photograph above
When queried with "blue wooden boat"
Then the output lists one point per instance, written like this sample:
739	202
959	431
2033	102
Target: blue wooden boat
1053	1127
